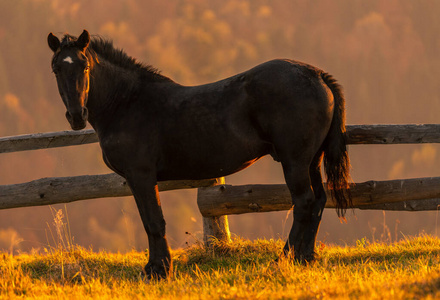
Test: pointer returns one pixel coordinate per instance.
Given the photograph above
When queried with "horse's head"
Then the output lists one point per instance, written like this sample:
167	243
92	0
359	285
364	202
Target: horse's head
71	67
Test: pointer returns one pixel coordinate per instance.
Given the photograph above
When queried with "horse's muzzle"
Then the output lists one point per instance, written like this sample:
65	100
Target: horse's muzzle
78	120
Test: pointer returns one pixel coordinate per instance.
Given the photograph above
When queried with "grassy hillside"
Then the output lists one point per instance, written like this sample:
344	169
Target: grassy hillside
241	270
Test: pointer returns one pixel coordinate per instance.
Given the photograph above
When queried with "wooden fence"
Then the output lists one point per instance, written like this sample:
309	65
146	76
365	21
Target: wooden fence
215	199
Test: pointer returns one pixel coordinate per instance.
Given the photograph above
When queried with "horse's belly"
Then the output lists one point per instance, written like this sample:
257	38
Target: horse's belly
206	165
204	172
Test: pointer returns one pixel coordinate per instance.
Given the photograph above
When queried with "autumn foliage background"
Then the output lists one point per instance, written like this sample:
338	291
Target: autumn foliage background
386	54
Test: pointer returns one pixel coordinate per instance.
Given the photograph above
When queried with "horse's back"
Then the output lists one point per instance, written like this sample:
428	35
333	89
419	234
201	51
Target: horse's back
288	80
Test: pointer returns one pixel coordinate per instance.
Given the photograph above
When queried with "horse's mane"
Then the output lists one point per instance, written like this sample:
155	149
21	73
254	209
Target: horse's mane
105	49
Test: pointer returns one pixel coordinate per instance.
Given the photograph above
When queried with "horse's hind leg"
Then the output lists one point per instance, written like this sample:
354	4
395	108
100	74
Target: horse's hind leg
309	198
316	208
298	181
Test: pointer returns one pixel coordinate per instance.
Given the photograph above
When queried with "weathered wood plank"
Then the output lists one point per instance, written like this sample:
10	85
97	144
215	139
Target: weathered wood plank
215	228
410	205
48	191
227	199
393	134
47	140
356	134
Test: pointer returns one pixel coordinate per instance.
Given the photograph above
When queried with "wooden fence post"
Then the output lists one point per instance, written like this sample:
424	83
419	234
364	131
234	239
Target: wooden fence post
214	228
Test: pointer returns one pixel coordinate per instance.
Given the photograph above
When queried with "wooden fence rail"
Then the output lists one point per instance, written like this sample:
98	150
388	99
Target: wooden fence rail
216	200
356	135
393	134
56	190
47	140
391	195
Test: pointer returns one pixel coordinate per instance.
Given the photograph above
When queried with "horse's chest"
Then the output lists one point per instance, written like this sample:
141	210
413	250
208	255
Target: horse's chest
121	153
112	159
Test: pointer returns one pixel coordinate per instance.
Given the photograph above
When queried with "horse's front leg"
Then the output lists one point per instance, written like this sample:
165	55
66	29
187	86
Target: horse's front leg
146	194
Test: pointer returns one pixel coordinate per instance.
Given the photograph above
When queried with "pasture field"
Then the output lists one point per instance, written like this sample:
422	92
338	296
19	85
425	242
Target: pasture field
242	269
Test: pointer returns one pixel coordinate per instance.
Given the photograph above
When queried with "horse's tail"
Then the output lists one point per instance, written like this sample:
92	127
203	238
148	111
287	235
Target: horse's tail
336	160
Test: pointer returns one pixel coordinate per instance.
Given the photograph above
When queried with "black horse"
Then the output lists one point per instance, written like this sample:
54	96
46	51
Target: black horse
152	129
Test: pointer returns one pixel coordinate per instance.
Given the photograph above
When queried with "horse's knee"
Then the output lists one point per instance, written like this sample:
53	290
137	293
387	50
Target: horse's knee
303	201
156	228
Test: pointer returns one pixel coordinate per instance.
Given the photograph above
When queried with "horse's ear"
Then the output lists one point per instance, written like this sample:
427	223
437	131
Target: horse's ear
83	40
54	42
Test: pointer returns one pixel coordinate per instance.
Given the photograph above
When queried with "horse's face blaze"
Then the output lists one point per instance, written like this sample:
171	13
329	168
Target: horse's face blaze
71	68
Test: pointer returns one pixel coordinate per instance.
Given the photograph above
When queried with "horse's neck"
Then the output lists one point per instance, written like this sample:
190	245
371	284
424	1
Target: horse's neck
108	88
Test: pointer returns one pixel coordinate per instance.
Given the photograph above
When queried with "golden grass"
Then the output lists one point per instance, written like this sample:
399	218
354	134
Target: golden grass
240	270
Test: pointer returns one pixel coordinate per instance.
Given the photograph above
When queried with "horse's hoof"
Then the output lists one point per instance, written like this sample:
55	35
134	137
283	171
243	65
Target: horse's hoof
305	259
155	272
144	276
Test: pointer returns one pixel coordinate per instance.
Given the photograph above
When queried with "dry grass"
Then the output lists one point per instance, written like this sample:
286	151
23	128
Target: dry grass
240	270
